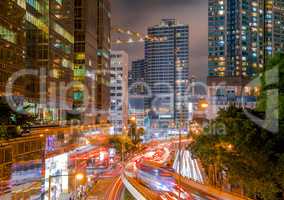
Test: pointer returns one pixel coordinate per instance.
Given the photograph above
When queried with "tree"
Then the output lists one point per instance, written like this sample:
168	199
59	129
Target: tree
140	132
248	155
277	62
119	140
14	123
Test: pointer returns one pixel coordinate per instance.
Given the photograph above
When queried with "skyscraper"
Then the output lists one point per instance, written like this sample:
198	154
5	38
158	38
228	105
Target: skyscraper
138	70
242	36
167	69
38	35
137	91
85	60
238	44
92	56
103	57
119	90
274	26
12	44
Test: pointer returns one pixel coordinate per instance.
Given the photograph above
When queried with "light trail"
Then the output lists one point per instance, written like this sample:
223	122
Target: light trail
189	166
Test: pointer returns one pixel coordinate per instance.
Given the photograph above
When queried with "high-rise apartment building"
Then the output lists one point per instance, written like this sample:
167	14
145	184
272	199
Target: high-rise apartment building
238	44
274	26
119	90
242	36
167	69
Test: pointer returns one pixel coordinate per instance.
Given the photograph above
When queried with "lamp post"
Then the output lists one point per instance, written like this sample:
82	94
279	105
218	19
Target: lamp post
123	143
133	128
78	177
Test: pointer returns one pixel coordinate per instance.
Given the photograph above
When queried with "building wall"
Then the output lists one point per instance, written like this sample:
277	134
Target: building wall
138	70
12	44
103	58
167	63
85	60
61	42
119	89
39	36
238	45
239	48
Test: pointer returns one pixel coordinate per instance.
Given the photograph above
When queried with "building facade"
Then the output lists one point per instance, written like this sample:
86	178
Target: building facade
242	35
12	45
137	91
85	60
119	90
103	58
167	69
92	70
38	36
63	41
138	70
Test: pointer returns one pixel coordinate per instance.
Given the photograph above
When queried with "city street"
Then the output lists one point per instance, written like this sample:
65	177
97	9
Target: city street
141	99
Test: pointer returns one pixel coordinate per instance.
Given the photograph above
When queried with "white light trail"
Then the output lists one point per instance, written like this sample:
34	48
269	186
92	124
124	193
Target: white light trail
188	167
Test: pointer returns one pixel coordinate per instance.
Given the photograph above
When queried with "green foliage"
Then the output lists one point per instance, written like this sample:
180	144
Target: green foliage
250	156
13	123
277	62
3	131
121	140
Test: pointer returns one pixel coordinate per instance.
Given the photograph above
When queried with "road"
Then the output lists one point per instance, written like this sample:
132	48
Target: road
149	177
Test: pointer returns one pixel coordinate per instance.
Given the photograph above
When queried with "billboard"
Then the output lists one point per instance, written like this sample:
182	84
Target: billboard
56	168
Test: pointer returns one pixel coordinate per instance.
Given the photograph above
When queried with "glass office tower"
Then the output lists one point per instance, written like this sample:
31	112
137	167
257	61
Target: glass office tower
167	69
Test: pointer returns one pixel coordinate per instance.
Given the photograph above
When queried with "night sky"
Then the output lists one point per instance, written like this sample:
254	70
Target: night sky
137	15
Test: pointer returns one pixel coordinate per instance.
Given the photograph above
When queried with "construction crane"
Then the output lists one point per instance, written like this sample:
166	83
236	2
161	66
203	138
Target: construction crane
133	37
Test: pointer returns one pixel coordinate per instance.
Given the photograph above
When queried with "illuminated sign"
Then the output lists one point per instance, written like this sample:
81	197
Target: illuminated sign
57	168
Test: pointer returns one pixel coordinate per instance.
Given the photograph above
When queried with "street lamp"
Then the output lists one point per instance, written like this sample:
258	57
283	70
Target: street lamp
203	104
78	177
133	119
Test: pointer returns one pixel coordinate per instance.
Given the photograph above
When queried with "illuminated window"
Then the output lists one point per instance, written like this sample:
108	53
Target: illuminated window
61	31
66	63
36	22
78	95
8	35
221	12
80	56
55	73
22	3
35	5
59	1
79	70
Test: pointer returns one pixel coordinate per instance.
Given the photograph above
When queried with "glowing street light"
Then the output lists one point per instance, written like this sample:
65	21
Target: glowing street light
133	119
79	176
204	105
